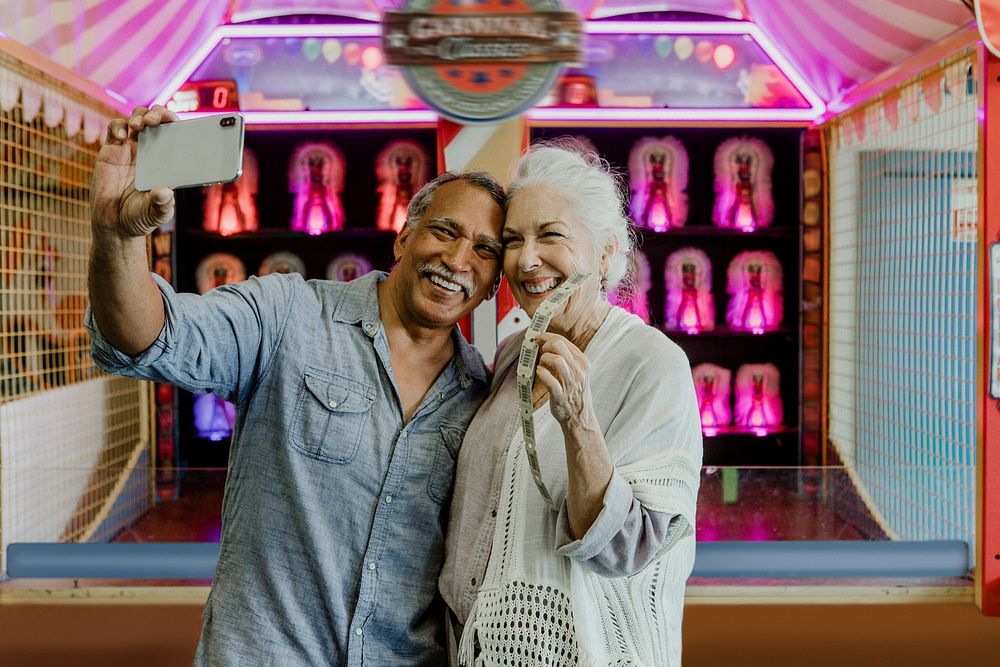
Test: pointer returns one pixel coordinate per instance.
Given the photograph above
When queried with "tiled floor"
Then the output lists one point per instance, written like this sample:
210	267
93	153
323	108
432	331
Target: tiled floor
193	515
759	504
733	504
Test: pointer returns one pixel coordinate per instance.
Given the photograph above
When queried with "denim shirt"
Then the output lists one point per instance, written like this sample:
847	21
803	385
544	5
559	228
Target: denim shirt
334	510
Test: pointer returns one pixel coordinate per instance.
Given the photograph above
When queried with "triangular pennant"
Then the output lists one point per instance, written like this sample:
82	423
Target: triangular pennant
873	119
890	107
931	86
93	127
31	102
10	89
911	101
954	79
74	117
52	113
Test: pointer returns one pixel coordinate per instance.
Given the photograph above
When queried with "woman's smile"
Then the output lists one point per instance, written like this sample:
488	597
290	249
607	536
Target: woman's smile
541	287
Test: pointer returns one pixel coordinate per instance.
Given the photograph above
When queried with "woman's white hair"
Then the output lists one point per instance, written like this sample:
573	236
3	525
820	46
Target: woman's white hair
595	189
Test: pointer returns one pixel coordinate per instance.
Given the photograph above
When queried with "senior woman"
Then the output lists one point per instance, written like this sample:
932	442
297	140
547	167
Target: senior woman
600	579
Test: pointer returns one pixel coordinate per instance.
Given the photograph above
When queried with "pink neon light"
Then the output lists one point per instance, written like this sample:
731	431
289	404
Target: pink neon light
668	27
332	117
250	31
543	114
713	28
612	114
318	30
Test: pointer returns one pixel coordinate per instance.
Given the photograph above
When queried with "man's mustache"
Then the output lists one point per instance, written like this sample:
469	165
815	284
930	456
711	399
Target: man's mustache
442	271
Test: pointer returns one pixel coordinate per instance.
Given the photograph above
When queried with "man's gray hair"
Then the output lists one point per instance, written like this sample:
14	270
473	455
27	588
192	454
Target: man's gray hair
477	179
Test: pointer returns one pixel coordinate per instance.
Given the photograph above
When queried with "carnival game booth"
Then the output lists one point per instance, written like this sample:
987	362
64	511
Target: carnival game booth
807	182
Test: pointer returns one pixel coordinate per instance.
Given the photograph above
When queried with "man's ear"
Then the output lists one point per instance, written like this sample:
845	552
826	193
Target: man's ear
400	243
495	287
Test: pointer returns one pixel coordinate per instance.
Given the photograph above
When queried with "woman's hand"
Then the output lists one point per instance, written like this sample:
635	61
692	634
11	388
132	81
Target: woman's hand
117	208
563	370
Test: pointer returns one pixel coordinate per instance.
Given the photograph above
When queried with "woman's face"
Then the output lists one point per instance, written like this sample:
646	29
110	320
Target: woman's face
543	246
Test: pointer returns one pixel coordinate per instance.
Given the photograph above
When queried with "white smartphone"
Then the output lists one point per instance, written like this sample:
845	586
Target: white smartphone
189	153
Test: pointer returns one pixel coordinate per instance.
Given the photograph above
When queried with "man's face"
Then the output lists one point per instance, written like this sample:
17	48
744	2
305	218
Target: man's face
448	264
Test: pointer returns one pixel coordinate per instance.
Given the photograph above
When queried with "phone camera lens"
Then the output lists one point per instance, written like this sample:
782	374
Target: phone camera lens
226	122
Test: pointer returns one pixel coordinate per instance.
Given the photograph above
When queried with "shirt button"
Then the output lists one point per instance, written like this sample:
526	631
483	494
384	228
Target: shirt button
473	581
358	631
493	514
371	566
333	404
388	499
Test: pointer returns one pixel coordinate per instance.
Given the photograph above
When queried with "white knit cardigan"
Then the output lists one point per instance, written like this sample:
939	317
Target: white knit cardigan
537	607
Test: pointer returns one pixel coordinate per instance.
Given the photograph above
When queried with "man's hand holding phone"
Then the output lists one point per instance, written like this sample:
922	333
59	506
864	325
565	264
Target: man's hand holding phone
118	208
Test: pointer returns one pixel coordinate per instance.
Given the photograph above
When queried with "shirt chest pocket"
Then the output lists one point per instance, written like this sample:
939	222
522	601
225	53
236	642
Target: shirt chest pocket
446	441
331	416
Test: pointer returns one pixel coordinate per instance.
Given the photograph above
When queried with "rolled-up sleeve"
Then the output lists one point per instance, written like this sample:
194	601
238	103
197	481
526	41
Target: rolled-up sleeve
649	505
113	360
623	539
217	342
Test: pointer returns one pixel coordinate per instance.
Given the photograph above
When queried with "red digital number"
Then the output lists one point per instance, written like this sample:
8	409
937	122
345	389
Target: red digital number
220	97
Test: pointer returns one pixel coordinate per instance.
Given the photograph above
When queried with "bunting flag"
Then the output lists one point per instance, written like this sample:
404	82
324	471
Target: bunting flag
859	124
931	85
911	101
890	107
955	80
873	119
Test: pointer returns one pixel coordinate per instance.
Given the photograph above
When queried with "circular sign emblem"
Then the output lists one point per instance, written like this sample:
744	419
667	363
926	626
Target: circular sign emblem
481	60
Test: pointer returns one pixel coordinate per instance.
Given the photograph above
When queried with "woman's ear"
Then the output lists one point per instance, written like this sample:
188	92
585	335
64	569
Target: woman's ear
611	249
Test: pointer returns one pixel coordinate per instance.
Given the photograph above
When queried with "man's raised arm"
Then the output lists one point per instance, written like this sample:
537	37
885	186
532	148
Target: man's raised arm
126	303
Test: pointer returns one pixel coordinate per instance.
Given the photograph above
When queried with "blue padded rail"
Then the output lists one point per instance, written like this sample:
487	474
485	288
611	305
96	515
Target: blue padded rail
825	559
717	560
118	560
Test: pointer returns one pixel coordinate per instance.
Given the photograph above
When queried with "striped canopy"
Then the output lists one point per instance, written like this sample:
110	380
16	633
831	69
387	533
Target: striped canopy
133	46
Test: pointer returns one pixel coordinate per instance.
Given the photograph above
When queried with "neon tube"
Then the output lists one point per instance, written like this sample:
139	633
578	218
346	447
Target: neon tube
607	114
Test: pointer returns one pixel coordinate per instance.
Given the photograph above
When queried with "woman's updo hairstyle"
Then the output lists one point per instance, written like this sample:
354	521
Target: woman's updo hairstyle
596	190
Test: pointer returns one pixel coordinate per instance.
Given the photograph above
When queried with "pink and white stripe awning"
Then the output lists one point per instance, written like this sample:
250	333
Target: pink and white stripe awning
134	46
127	46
